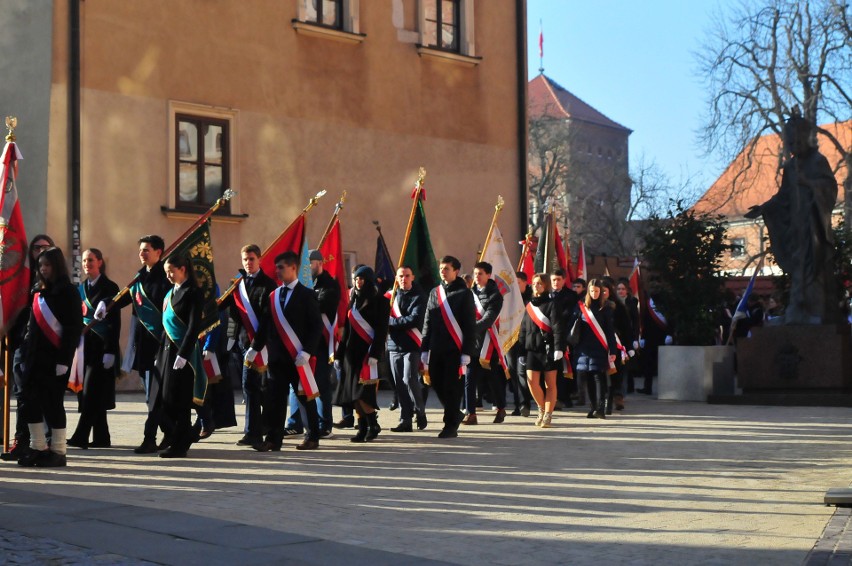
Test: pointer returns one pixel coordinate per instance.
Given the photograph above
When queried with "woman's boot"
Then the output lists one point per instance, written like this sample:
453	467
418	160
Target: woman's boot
373	428
361	436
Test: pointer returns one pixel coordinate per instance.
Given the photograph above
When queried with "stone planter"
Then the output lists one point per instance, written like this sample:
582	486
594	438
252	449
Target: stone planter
692	373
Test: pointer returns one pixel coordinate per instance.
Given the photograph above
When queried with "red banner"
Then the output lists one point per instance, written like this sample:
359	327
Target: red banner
14	273
290	241
332	262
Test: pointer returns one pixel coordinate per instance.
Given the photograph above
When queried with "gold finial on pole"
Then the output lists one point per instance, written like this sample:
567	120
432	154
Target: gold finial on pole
421	176
11	124
312	202
497	208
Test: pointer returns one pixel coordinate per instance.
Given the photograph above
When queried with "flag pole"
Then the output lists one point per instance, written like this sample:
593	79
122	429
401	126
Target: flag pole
312	202
7	390
497	209
418	188
337	208
525	249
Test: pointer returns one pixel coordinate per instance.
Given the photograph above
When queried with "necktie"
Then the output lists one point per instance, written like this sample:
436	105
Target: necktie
249	281
283	299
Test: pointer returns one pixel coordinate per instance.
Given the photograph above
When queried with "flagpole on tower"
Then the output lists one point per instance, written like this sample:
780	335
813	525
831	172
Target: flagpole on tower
540	47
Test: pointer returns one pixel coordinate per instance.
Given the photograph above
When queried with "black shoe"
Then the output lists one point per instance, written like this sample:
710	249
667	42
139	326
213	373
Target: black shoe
361	435
326	434
147	447
348	422
18	451
81	444
292	432
205	433
373	428
422	422
393	406
50	459
267	446
166	443
100	444
525	411
599	414
248	441
172	452
30	458
516	412
591	414
403	426
448	433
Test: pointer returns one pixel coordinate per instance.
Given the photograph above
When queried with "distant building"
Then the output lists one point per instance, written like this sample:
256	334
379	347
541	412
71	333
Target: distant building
595	180
750	182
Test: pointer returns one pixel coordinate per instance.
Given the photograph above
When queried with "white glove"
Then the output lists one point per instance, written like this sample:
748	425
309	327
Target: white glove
641	342
179	362
109	360
522	360
207	355
251	354
635	344
631	353
558	355
669	340
61	370
424	358
100	311
302	358
465	360
337	365
372	362
230	344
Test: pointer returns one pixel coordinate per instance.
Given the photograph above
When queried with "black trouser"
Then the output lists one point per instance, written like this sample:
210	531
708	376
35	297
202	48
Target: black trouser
282	376
22	431
252	382
43	395
518	379
493	379
597	385
92	420
157	418
448	385
177	407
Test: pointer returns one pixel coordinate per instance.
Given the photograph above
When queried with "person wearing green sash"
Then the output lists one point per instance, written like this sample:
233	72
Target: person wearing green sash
179	360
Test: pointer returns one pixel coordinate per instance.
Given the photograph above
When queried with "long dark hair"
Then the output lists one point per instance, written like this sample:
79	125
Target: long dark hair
99	255
56	259
599	302
183	261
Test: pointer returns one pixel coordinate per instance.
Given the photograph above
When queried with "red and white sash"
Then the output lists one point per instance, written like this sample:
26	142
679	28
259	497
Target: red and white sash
46	320
597	331
490	342
211	367
328	334
450	321
250	323
368	373
294	346
413	333
543	322
656	315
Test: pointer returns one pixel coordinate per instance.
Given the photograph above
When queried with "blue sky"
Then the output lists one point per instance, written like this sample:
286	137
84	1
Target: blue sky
633	60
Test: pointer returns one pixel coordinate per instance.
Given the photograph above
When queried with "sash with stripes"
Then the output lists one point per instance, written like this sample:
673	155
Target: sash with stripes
176	330
656	315
99	327
490	342
597	331
413	333
47	321
147	312
328	333
294	346
250	322
450	321
368	373
540	319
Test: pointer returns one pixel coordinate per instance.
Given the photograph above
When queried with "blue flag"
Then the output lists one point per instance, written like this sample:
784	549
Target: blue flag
384	264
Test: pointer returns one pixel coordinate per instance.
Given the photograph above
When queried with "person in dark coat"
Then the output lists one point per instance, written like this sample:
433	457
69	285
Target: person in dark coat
100	355
247	306
567	298
179	359
447	348
623	329
631	303
542	343
405	338
53	333
486	367
146	294
597	349
291	329
518	382
362	345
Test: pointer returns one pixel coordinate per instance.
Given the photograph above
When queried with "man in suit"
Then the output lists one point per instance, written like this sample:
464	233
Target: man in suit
247	305
404	343
449	340
146	294
567	299
291	329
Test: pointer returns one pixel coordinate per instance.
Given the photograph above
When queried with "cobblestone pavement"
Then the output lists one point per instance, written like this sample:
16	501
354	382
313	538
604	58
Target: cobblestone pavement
664	483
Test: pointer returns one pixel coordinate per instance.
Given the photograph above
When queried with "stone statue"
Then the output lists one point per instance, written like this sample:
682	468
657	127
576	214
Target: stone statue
798	218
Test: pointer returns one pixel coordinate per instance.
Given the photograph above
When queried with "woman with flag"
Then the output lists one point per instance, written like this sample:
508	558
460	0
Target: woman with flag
359	351
542	341
597	347
179	358
53	333
97	362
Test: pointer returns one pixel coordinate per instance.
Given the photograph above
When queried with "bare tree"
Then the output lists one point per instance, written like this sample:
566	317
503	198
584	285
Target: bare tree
766	58
550	148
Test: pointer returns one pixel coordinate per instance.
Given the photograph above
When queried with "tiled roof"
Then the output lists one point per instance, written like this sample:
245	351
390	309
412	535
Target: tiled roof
547	99
741	187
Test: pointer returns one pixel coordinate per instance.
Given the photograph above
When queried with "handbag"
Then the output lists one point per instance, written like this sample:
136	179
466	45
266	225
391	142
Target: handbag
574	336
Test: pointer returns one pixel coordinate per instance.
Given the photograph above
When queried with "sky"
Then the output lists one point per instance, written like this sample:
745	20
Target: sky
634	61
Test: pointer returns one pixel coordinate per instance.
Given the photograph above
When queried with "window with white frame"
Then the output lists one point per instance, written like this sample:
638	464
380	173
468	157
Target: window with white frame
447	25
341	15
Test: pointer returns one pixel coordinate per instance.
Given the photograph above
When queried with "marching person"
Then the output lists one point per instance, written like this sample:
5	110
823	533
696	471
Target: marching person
567	299
179	359
623	333
487	367
631	303
362	345
518	383
100	352
291	329
248	305
146	294
597	349
542	343
53	333
449	340
405	338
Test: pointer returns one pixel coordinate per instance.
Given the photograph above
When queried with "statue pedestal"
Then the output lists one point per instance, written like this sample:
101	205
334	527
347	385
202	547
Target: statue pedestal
796	359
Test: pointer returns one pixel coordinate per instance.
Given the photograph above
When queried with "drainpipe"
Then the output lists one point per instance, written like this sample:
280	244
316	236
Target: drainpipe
74	133
521	47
